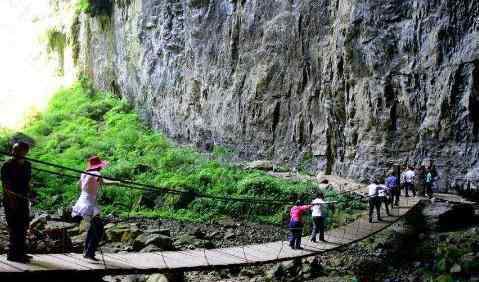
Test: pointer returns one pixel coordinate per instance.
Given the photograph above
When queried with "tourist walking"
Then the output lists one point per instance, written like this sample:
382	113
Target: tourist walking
428	182
420	180
392	183
16	177
296	224
86	206
374	202
383	196
318	216
409	178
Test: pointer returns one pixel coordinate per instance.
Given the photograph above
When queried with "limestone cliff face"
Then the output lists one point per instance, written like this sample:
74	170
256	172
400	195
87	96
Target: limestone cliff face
345	86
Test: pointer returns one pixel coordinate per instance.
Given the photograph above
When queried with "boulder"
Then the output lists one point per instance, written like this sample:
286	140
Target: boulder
161	231
456	268
157	278
150	249
39	222
443	216
58	231
197	232
277	272
161	241
191	242
64	213
260	165
229	235
470	262
167	277
122	232
292	267
227	222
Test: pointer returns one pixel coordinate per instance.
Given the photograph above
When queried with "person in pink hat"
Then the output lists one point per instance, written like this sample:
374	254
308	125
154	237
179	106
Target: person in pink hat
86	206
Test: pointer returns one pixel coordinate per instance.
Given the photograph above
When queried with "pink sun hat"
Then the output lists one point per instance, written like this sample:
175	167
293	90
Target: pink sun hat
95	162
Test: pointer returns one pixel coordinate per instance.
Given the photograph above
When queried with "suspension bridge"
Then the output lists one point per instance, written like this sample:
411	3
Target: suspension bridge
200	259
49	266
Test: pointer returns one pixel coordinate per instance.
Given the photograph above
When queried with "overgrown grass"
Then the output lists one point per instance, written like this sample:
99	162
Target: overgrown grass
83	6
81	122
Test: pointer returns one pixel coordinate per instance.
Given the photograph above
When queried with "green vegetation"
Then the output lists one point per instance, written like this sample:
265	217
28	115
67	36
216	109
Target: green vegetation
56	43
56	40
81	122
95	7
83	6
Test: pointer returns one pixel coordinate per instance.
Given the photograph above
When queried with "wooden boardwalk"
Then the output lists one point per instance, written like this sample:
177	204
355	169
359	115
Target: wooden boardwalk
63	265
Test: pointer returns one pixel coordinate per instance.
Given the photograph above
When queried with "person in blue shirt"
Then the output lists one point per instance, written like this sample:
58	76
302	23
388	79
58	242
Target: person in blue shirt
392	183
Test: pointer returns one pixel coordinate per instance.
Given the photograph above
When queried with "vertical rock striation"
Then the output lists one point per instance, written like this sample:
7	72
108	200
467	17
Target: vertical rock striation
348	86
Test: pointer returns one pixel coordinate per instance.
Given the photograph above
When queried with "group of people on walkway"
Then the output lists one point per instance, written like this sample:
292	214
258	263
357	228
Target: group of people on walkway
16	175
386	191
419	180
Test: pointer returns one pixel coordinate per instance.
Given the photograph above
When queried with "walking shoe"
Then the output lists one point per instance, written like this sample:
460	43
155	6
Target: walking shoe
299	248
91	258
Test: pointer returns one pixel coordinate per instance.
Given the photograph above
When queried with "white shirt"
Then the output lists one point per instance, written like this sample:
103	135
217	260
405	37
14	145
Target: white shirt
409	176
86	204
381	190
317	204
372	190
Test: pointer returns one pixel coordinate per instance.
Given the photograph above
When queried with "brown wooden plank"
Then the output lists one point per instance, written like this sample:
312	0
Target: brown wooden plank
51	262
79	259
31	266
182	259
6	268
137	260
215	256
81	264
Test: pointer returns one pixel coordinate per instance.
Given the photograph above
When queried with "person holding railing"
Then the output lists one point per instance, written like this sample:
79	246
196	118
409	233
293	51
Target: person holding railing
383	197
86	206
374	201
16	180
318	216
296	224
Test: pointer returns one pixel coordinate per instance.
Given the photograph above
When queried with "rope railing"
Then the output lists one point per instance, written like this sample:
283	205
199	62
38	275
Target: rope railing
156	189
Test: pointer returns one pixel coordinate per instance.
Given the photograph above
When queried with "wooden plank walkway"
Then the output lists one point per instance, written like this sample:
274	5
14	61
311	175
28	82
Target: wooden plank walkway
56	265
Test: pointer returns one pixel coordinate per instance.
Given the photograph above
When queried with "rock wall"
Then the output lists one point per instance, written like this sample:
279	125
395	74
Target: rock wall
337	86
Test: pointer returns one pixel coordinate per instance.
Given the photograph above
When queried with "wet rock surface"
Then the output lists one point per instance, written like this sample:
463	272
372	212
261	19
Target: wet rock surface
337	86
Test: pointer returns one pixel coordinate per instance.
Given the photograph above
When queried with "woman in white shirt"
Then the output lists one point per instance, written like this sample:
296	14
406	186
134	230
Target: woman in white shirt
86	206
318	216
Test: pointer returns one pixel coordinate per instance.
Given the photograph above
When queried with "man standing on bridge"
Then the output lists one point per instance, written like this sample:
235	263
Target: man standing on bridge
16	177
374	200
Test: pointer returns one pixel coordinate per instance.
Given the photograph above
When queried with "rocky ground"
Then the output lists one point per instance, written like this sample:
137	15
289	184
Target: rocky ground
425	245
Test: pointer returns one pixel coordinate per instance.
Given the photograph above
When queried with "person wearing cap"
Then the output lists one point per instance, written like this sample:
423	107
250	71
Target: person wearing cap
86	206
296	224
16	177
